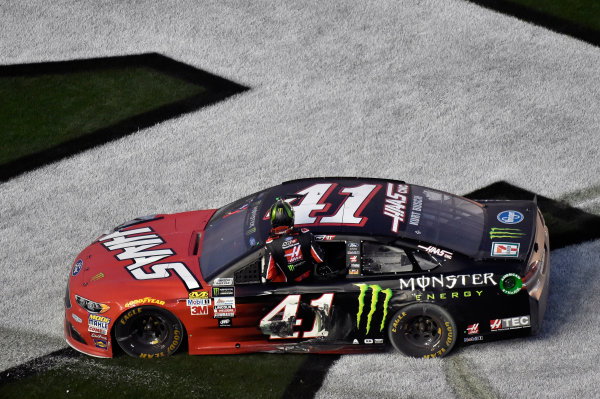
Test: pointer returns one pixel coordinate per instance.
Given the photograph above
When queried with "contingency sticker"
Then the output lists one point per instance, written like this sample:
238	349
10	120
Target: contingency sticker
505	249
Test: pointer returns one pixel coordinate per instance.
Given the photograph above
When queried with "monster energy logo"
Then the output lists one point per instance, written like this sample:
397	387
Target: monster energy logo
291	267
504	232
376	289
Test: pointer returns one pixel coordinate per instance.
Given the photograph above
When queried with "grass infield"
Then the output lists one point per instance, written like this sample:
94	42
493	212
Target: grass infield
40	112
584	13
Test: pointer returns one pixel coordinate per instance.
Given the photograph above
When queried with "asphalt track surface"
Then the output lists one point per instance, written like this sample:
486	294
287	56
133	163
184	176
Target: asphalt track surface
441	93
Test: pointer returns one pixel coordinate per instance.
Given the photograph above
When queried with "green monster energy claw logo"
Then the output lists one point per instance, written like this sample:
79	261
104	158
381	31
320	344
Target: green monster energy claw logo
376	289
291	267
505	232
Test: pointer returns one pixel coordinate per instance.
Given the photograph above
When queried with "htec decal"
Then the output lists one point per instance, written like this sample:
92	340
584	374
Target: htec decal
136	245
510	323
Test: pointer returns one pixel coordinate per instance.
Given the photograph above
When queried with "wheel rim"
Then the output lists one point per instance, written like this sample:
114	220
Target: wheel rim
423	331
148	330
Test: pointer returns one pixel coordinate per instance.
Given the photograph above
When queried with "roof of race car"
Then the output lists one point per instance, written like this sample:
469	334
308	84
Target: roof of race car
367	206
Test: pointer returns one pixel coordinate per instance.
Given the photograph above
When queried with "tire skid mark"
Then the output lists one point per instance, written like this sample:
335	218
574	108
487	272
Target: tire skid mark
464	382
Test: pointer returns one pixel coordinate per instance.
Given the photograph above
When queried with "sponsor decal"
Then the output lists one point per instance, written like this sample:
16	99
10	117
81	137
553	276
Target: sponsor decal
198	295
510	323
252	221
293	255
354	258
139	246
321	237
98	324
353	271
447	295
97	277
353	252
510	217
395	204
355	342
144	301
448	281
353	245
376	290
224	307
101	343
76	318
436	251
379	340
505	232
222	291
505	249
223	281
198	307
225	301
289	243
99	336
473	329
368	341
473	339
415	212
77	267
225	322
511	283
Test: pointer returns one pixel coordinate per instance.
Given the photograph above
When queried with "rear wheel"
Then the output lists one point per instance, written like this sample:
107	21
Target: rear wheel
148	332
423	330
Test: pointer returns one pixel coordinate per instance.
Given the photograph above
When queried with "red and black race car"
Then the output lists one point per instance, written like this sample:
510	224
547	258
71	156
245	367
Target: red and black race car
415	267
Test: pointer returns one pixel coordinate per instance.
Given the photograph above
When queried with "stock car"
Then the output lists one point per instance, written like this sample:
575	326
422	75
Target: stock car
408	266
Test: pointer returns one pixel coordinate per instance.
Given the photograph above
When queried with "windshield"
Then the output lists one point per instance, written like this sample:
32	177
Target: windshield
445	220
233	232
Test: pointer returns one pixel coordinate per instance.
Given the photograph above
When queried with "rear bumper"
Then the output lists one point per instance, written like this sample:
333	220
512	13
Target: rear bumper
538	292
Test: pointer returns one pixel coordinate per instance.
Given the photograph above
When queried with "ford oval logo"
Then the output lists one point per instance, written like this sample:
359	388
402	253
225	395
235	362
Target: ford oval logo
77	267
510	217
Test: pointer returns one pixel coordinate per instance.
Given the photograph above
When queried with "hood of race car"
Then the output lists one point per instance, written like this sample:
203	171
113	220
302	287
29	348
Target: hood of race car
142	257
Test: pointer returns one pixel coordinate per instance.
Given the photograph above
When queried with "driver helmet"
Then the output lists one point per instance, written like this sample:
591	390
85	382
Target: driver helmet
282	216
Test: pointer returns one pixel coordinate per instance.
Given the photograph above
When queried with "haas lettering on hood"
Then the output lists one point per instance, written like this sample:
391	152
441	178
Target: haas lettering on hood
136	245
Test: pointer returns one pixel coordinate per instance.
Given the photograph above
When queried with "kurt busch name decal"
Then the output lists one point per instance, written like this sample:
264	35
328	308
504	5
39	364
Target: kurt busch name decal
137	246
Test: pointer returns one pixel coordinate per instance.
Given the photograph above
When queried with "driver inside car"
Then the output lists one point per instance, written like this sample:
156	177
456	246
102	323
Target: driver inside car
292	253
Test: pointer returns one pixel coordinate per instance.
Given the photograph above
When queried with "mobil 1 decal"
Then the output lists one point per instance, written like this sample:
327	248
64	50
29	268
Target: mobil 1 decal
139	247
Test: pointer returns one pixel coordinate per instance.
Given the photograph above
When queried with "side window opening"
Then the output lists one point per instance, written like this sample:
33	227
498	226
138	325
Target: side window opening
250	274
426	261
379	258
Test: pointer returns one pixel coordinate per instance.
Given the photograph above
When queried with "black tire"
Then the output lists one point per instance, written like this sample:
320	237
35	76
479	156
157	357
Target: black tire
148	332
423	330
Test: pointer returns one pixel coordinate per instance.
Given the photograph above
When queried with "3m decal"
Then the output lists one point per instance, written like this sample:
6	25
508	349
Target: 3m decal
448	281
280	321
436	251
77	267
136	245
511	283
510	217
376	289
395	204
198	307
349	212
505	232
510	323
505	249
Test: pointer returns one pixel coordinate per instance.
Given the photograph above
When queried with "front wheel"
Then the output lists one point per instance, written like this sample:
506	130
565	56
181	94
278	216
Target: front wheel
423	330
148	332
